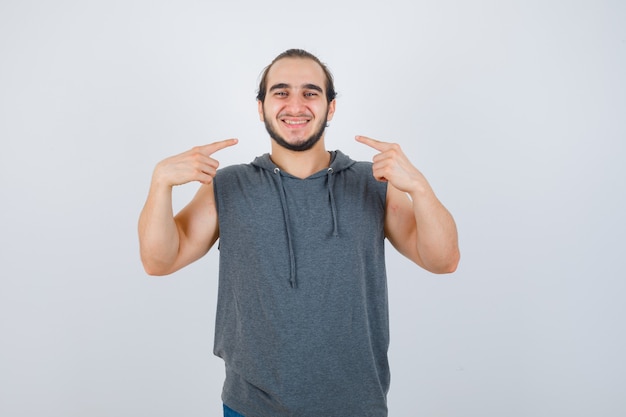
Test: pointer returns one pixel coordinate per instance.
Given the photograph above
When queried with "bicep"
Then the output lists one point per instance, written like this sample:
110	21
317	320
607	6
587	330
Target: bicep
400	225
197	225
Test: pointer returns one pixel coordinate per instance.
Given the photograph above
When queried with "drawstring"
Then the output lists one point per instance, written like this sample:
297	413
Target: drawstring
283	200
292	256
332	201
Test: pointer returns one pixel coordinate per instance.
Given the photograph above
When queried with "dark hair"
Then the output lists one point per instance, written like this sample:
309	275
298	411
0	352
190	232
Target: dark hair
298	53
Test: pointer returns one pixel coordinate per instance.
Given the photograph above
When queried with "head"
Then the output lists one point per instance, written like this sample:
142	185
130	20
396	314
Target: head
296	99
331	94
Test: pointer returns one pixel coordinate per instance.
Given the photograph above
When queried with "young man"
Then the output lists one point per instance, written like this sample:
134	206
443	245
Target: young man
302	319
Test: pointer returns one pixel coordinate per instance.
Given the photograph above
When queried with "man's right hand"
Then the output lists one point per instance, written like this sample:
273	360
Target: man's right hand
167	242
195	164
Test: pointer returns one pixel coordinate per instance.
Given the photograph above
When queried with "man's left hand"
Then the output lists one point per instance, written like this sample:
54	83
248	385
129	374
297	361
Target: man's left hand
391	165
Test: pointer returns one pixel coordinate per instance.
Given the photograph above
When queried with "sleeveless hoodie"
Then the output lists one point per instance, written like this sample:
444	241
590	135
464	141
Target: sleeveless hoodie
302	316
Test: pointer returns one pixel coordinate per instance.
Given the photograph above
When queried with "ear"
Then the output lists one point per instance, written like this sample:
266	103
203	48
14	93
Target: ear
331	110
260	110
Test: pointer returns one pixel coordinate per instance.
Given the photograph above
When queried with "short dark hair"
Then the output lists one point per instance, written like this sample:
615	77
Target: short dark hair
298	53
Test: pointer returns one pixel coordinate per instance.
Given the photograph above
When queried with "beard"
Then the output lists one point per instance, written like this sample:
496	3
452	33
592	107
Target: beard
301	145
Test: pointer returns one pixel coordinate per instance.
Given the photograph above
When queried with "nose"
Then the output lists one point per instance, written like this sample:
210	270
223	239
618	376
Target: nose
296	103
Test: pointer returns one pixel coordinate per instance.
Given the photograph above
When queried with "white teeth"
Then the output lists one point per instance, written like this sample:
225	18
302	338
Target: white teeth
295	122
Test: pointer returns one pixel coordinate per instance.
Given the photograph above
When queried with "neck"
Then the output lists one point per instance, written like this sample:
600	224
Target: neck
301	164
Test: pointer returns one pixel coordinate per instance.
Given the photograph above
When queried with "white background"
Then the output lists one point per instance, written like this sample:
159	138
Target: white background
515	111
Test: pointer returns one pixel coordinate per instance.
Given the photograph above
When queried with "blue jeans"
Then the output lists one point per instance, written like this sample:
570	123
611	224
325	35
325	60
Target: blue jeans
230	413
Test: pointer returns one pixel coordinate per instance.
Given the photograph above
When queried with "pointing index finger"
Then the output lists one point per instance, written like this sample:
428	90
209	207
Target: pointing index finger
372	143
217	146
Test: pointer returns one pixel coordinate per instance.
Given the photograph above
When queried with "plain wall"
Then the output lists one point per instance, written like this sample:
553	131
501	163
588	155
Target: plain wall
513	110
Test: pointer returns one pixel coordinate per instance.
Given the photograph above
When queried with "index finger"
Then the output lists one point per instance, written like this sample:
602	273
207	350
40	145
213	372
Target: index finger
373	143
218	146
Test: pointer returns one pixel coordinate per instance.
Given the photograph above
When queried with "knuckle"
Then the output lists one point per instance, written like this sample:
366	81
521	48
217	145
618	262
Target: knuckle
394	150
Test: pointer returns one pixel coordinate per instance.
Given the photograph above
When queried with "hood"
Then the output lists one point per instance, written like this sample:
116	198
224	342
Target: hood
338	162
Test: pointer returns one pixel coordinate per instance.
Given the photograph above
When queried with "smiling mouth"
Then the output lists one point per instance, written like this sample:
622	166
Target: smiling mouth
295	122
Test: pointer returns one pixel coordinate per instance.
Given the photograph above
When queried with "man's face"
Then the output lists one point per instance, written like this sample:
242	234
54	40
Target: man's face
295	110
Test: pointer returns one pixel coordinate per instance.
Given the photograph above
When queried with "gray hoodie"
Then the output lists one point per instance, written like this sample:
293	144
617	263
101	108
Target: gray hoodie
302	318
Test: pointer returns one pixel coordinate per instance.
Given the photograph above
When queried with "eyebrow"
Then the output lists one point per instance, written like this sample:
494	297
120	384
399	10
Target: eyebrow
280	86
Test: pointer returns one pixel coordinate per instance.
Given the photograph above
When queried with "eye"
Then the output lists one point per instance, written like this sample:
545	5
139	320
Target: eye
310	94
280	93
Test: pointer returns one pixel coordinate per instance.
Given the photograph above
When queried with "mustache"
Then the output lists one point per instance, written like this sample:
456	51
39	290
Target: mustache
286	114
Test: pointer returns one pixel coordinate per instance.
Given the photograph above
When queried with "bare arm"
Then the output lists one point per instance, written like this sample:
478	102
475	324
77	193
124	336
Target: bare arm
416	223
167	242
